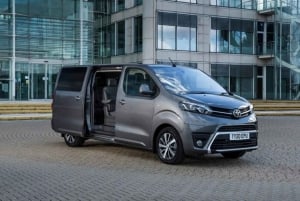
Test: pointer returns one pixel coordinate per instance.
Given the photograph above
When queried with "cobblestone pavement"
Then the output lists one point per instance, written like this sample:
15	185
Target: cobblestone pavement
35	164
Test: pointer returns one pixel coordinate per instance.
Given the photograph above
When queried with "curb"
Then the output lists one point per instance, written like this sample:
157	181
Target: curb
15	117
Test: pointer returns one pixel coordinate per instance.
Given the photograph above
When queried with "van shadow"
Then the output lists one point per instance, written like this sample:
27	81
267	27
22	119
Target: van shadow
215	160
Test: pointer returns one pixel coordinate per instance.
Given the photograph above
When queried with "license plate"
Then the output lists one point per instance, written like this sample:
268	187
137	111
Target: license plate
239	136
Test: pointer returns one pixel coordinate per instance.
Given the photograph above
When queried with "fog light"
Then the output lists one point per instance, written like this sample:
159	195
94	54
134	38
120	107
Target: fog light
199	143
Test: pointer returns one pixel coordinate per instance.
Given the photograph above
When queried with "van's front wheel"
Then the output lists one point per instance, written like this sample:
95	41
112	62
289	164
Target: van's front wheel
169	146
73	141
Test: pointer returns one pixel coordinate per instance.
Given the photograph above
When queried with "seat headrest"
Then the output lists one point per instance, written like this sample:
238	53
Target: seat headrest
111	82
139	77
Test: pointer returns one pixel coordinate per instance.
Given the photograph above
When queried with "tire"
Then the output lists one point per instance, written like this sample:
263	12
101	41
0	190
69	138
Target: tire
234	154
169	146
73	141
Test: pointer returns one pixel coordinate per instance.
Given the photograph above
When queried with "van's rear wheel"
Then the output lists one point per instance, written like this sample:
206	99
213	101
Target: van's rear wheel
73	141
169	146
234	154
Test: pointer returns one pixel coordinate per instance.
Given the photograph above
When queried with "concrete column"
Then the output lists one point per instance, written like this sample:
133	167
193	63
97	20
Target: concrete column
149	30
13	60
81	31
129	35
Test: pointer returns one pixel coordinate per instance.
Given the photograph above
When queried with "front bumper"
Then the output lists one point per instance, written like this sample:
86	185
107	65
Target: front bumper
220	142
215	136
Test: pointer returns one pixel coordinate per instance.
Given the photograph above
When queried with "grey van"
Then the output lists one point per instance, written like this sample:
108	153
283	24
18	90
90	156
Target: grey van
174	111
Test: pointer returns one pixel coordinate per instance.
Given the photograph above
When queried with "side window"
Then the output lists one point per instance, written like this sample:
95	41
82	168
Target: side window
71	79
134	79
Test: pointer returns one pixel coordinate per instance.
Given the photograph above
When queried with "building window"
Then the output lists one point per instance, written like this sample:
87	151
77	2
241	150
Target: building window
233	36
234	78
177	31
138	2
4	79
106	36
270	38
244	4
188	1
241	37
5	6
219	35
117	5
121	38
138	34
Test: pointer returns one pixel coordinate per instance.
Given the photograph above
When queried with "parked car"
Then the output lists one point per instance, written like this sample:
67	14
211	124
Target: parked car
174	111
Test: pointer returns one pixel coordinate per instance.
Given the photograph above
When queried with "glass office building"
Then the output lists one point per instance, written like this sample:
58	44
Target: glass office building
251	47
37	37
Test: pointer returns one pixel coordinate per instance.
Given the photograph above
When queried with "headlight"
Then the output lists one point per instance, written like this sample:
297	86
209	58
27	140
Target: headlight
193	107
251	107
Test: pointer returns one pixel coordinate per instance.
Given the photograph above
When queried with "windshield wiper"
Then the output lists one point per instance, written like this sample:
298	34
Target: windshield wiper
195	92
224	93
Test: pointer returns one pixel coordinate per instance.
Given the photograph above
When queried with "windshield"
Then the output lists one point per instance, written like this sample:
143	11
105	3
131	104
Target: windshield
182	80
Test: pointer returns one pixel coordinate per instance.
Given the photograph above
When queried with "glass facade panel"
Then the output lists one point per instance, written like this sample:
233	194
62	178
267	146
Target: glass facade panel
188	1
4	79
193	39
235	36
220	72
287	42
244	4
70	9
138	2
177	31
48	30
295	43
241	80
22	7
5	6
235	3
237	79
117	5
121	37
183	39
52	31
219	35
52	71
22	81
168	37
138	34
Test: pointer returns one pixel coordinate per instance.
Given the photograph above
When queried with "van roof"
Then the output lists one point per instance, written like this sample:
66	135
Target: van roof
120	66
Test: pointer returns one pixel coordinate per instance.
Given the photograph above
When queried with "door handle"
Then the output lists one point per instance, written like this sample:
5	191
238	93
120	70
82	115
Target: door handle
122	102
77	98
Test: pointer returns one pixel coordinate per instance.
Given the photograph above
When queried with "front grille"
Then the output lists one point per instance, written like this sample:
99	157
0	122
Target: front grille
249	127
228	113
223	142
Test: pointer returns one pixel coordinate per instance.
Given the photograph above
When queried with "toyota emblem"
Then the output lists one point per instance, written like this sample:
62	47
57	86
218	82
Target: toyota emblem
236	113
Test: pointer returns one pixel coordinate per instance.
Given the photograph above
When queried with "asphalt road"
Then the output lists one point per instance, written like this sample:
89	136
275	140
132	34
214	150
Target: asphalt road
35	164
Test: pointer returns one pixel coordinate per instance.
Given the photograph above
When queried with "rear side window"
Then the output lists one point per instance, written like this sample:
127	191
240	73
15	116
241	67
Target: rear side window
71	79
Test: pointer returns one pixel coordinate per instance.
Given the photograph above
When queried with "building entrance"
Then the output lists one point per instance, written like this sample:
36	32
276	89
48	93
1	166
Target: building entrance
35	80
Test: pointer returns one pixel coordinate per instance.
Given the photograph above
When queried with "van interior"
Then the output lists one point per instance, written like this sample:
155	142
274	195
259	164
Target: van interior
104	94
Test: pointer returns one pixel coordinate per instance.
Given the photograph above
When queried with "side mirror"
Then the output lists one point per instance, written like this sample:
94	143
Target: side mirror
145	90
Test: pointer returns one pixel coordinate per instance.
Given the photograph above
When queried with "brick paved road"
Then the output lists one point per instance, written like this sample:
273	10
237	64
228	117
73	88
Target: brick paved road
35	164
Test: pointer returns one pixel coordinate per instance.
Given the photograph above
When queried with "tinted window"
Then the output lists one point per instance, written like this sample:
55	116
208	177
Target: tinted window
71	79
133	80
